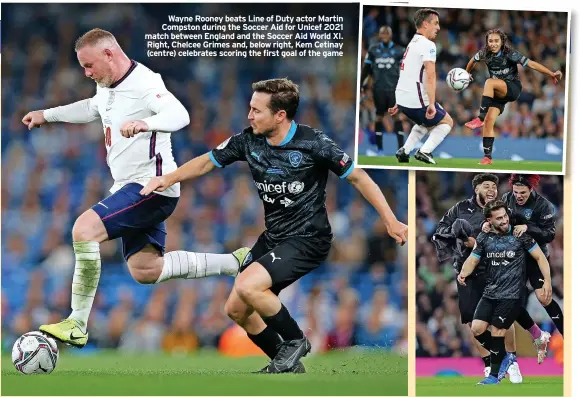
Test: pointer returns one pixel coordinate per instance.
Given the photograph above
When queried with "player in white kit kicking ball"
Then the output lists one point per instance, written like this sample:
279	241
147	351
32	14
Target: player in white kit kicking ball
416	91
137	113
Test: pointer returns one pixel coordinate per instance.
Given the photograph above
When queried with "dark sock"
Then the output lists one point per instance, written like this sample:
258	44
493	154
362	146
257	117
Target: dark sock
497	351
485	339
555	312
485	102
486	361
399	133
379	139
267	340
524	319
487	146
284	325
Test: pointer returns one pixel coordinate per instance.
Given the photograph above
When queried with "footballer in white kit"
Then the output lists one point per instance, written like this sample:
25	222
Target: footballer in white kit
415	91
138	114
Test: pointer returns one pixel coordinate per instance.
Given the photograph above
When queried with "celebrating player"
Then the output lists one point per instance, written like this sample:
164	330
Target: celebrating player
502	87
383	62
471	210
289	164
505	285
534	214
137	113
416	91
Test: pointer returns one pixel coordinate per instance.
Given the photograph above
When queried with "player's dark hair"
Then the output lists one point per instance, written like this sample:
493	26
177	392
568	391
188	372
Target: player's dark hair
480	178
422	15
92	37
506	48
494	206
285	95
532	181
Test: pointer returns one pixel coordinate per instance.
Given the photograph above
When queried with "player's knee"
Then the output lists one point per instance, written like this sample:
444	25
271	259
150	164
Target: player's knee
235	311
477	329
545	301
145	272
145	276
245	291
89	227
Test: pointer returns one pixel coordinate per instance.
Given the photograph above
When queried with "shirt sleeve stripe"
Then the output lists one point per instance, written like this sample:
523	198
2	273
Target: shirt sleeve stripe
477	256
348	172
213	160
368	61
533	247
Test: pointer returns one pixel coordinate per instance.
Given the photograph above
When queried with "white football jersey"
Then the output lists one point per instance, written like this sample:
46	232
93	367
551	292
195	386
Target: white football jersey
411	91
139	94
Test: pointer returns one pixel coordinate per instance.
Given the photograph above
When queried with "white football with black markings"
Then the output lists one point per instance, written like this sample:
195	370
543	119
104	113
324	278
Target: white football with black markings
35	353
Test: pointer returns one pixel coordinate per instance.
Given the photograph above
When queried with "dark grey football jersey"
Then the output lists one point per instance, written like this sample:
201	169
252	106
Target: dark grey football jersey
503	66
506	263
385	60
290	178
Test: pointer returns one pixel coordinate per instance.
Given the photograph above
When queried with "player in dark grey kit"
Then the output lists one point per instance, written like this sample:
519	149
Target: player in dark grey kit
534	214
506	283
502	86
289	164
382	62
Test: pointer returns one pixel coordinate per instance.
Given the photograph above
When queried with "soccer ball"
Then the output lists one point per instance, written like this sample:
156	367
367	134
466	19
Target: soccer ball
458	79
35	353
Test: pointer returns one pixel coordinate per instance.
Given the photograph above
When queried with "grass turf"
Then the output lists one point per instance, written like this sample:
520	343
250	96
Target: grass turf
460	163
467	386
340	373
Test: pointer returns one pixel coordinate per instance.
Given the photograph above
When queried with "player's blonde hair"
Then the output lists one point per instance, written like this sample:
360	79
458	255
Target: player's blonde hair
93	37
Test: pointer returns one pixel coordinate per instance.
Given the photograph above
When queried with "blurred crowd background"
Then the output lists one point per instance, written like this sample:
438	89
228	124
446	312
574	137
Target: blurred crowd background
439	329
51	175
539	35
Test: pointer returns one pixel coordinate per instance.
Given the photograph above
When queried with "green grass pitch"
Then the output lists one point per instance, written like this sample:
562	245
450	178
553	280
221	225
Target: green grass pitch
352	373
467	386
505	165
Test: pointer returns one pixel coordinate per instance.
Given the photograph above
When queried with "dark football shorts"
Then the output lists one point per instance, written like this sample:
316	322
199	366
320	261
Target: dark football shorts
514	89
501	313
468	296
289	260
384	100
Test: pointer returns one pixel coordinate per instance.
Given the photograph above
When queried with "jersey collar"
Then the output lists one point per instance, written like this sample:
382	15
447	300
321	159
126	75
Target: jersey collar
289	136
116	83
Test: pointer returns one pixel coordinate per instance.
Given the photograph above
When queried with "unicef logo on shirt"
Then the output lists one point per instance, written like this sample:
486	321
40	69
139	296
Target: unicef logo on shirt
511	254
295	158
296	187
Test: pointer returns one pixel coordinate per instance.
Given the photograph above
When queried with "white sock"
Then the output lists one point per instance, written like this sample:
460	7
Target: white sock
417	133
85	280
184	264
436	136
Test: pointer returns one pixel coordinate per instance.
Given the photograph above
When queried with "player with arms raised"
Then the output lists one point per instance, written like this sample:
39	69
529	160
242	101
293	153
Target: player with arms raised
503	86
416	91
382	62
505	285
138	113
289	163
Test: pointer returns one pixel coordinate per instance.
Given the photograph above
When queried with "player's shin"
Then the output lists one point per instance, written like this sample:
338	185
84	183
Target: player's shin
485	102
555	312
399	132
379	129
436	136
498	352
267	340
284	325
184	264
85	280
525	321
417	133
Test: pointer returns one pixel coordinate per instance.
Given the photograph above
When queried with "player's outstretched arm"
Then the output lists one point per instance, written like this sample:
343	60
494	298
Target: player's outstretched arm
539	256
79	112
369	189
557	76
194	168
470	65
468	267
